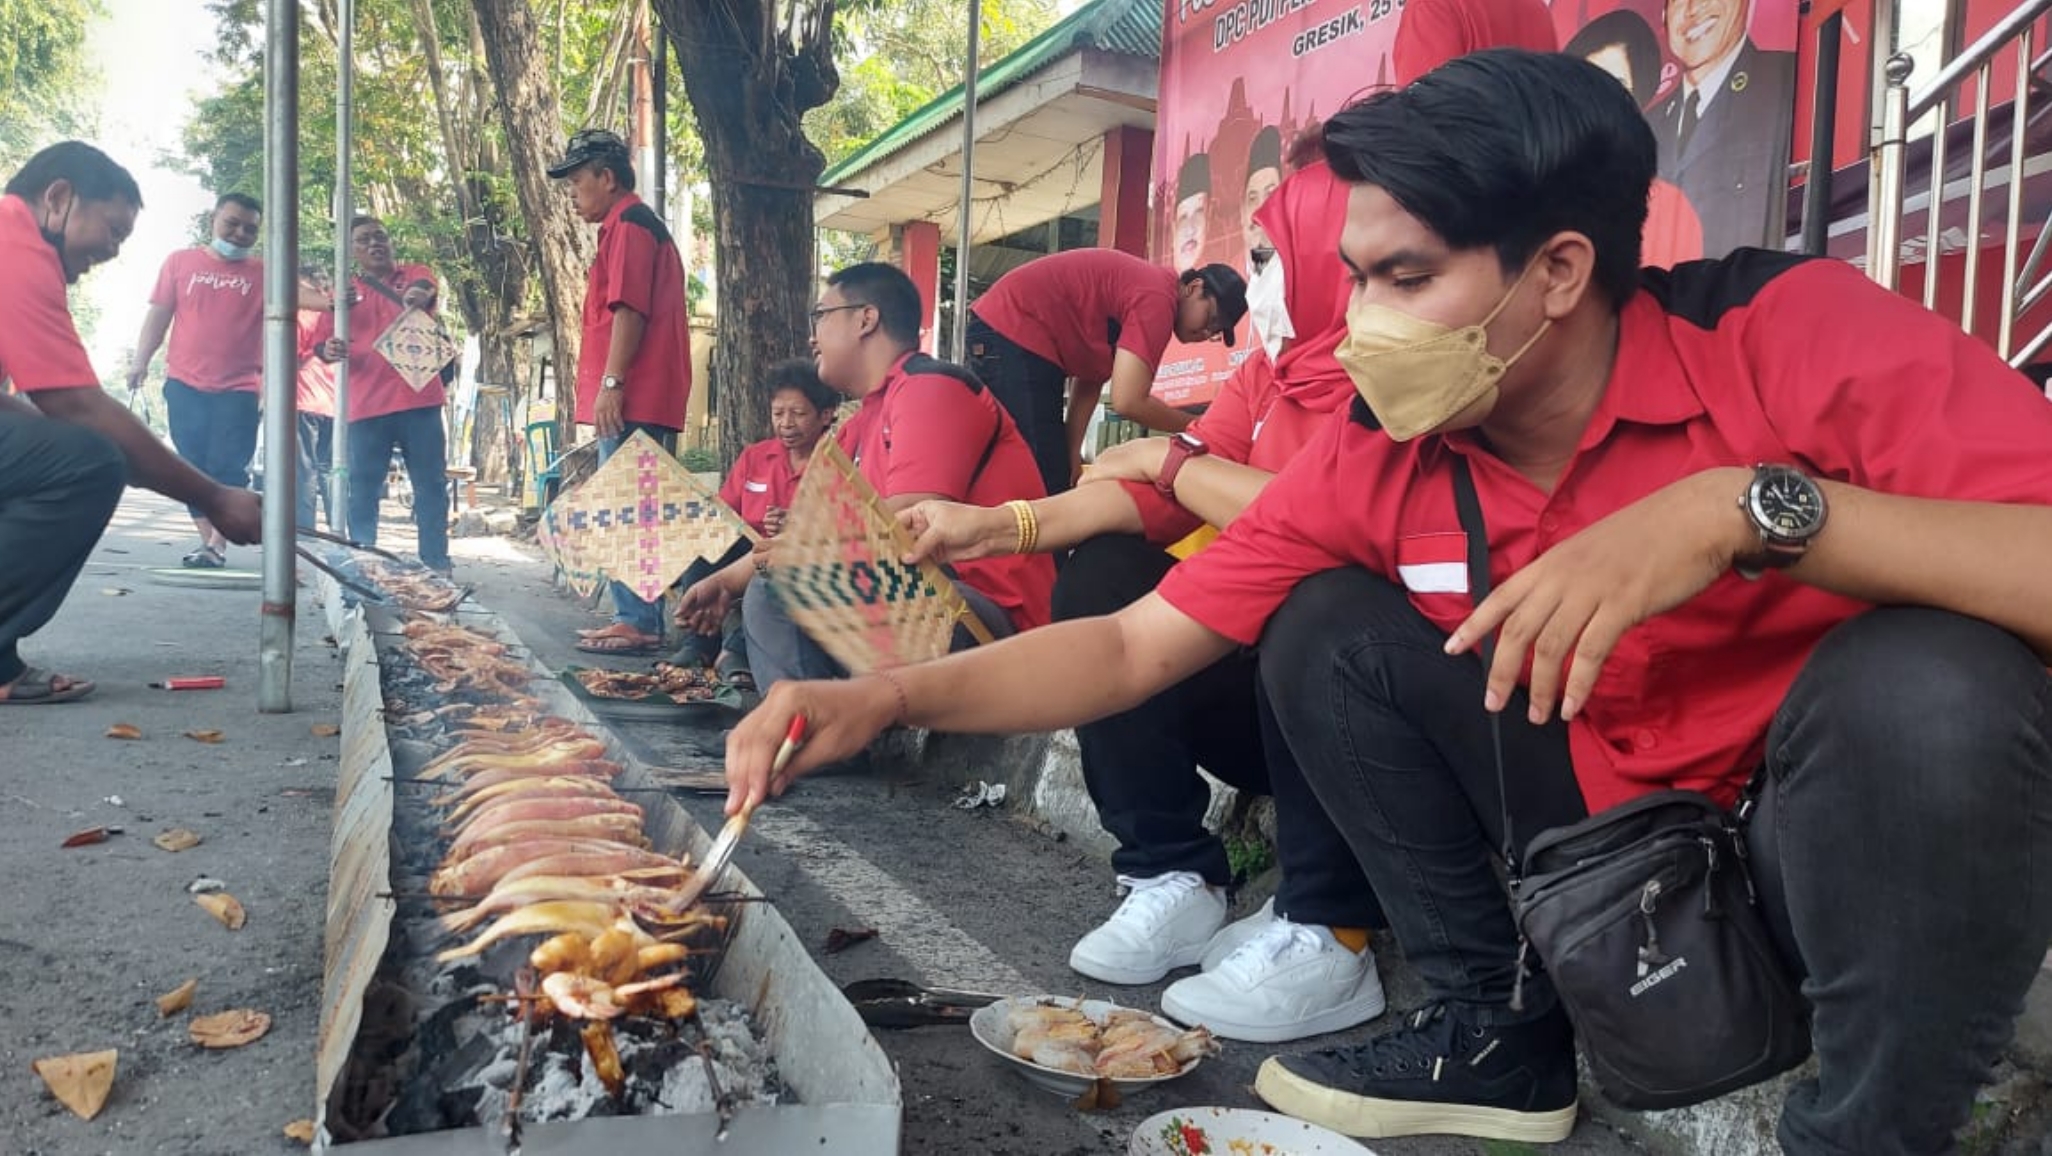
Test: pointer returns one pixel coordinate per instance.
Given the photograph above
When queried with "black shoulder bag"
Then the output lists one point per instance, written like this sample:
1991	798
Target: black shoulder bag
1646	918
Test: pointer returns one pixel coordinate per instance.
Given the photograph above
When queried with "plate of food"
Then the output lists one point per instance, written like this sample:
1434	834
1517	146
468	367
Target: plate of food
666	692
1067	1045
1236	1132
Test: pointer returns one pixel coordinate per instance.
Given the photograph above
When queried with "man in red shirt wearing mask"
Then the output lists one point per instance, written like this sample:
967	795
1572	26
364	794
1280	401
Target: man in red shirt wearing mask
66	448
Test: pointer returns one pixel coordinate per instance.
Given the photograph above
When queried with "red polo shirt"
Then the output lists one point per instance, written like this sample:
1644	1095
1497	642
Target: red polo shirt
1760	357
375	388
925	431
637	268
761	478
1062	307
39	345
316	385
217	320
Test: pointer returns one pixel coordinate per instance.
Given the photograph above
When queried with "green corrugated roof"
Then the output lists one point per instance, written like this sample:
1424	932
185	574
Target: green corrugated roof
1125	27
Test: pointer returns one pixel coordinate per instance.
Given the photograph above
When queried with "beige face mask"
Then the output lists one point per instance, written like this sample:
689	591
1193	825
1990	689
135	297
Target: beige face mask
1418	375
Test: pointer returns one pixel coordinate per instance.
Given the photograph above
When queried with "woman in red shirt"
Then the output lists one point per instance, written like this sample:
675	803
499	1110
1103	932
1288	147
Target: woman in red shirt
760	488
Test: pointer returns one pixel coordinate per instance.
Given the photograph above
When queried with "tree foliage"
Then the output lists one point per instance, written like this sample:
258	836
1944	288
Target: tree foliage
45	82
897	56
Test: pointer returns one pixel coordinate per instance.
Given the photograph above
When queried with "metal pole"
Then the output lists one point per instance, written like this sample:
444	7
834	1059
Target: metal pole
960	338
1823	120
1884	219
345	84
281	357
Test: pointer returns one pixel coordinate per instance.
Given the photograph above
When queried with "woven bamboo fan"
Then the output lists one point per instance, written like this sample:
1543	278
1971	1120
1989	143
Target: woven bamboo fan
839	573
417	347
641	519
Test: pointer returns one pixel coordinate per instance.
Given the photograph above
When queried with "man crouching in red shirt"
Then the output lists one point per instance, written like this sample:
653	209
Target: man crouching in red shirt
1858	628
925	429
68	449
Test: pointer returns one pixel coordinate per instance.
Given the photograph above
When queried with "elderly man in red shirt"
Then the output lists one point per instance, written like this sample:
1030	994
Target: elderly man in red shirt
925	429
386	411
1092	315
66	448
634	363
211	299
1855	628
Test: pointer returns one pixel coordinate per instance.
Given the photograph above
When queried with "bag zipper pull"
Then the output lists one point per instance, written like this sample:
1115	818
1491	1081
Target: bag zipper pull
1650	955
1710	909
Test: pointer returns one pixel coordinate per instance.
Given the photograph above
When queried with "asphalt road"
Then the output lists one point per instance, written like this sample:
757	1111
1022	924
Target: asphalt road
89	935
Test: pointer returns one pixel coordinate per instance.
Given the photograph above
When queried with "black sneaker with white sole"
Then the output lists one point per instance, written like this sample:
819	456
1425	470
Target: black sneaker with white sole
1437	1075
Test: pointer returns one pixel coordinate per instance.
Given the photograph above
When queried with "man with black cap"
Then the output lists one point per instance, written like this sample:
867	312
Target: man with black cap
1094	315
1193	209
1264	173
634	364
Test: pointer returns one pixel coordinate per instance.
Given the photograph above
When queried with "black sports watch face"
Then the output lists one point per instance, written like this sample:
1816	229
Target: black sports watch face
1786	505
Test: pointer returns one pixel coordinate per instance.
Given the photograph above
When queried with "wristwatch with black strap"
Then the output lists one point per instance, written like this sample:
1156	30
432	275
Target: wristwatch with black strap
1182	447
612	381
1787	509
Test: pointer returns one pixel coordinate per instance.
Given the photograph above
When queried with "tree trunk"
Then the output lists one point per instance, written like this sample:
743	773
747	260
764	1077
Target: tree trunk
529	112
751	69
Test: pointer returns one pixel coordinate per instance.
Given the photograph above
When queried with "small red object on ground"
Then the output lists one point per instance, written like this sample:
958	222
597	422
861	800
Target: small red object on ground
192	682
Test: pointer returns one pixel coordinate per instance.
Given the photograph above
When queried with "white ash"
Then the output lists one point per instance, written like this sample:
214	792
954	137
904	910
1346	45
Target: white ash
747	1073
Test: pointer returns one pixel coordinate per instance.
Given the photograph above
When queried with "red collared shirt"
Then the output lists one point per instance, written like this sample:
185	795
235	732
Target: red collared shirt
637	268
217	320
762	478
39	345
926	432
1062	307
375	388
1725	363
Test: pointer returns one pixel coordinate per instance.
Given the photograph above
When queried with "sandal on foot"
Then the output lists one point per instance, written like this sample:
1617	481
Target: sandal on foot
40	688
620	639
204	558
732	672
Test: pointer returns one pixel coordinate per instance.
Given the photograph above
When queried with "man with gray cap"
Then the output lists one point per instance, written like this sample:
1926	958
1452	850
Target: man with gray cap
1094	315
634	364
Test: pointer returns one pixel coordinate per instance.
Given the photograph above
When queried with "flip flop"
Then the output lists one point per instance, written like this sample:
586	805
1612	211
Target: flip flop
621	640
204	558
39	688
732	672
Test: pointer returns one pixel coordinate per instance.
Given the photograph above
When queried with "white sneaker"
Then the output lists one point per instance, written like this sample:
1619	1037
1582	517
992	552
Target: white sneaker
1164	923
1232	935
1287	982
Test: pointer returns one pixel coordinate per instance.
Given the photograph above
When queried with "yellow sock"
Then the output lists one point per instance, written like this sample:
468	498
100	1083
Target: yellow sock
1354	939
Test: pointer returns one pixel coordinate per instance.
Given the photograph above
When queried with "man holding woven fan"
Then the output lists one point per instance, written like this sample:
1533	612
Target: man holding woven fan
634	363
925	429
386	411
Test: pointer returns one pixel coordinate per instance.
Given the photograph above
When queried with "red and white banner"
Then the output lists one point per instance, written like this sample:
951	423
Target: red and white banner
1241	78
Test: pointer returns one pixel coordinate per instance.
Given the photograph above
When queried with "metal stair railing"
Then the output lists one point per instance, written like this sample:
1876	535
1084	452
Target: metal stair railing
2023	286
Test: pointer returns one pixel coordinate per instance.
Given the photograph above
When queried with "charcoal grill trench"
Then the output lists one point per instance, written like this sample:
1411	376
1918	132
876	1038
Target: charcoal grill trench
847	1094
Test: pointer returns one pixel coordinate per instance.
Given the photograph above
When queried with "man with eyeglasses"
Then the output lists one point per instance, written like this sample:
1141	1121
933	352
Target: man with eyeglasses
634	364
1092	316
925	428
385	410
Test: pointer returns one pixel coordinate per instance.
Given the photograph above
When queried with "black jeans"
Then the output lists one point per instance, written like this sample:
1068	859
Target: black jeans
59	485
316	464
1029	386
1140	766
1903	845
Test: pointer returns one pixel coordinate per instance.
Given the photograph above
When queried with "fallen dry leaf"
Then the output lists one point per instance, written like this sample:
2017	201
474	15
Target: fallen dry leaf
223	907
229	1029
204	736
325	730
300	1130
124	731
90	836
841	939
80	1082
177	839
177	999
